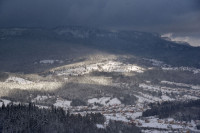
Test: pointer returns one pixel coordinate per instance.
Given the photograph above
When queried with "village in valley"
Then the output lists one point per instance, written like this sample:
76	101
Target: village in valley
113	107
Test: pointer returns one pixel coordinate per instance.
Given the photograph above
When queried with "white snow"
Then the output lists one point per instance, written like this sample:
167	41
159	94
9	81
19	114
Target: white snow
167	67
50	61
154	131
105	101
47	61
42	107
62	103
166	98
150	87
179	89
181	84
190	97
41	98
147	98
155	62
153	124
18	80
6	102
114	101
194	70
26	85
166	124
106	66
118	117
134	115
100	126
142	99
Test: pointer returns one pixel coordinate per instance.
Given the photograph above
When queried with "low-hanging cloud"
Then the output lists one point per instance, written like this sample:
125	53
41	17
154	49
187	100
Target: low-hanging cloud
149	15
190	38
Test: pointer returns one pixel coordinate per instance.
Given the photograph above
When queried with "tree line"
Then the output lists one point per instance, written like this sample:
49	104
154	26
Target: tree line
183	111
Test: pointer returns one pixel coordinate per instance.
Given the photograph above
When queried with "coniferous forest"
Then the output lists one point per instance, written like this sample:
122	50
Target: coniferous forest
31	119
183	111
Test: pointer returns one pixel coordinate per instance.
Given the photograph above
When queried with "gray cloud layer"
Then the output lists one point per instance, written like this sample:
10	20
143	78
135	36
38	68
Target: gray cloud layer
149	15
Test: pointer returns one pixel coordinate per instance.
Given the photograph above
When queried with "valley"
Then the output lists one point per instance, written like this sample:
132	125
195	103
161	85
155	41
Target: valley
111	87
118	74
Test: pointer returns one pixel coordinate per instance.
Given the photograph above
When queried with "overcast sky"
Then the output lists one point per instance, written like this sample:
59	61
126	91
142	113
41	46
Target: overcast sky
146	15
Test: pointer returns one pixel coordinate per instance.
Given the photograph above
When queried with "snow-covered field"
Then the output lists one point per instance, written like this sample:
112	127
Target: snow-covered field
181	84
180	91
23	84
194	70
61	103
105	101
35	86
50	61
41	98
107	66
18	80
167	67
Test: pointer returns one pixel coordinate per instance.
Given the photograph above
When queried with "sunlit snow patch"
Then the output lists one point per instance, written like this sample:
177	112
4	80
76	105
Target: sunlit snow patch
106	66
18	80
105	101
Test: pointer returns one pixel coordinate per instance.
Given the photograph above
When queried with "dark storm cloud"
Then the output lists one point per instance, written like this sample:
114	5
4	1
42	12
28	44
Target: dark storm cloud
153	15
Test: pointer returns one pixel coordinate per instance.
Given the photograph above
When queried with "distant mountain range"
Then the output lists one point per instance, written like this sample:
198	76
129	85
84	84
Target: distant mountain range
34	43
